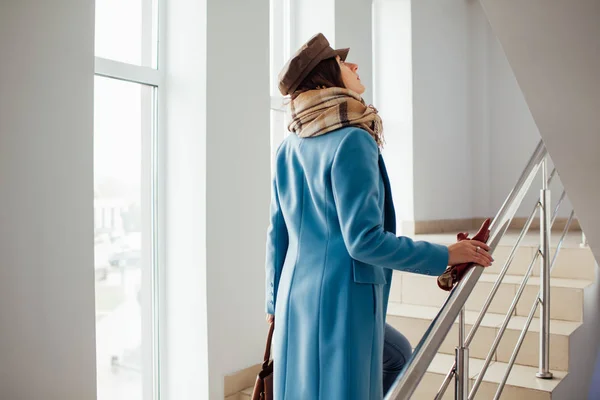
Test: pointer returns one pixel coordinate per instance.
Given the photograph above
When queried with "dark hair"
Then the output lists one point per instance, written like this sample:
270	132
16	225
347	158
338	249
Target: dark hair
326	74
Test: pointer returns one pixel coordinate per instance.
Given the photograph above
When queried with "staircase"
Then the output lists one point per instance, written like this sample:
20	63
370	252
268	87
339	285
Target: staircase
415	300
496	309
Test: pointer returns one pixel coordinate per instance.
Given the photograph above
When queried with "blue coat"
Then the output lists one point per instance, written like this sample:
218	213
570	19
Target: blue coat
329	266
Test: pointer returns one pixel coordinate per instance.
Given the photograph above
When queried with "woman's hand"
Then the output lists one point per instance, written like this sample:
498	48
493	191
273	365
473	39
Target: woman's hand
270	318
468	251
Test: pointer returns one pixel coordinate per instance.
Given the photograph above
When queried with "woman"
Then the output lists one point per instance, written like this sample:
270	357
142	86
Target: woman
331	246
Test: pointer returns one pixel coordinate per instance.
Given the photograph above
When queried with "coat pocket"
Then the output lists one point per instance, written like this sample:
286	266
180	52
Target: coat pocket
365	273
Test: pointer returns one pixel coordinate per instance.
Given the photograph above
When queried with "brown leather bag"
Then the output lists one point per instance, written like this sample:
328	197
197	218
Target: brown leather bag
454	274
263	388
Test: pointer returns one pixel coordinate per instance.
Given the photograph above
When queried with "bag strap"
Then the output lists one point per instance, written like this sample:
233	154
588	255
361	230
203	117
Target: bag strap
268	348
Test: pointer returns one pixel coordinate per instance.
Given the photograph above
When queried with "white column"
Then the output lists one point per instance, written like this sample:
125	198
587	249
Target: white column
441	110
238	184
218	191
47	316
394	99
185	344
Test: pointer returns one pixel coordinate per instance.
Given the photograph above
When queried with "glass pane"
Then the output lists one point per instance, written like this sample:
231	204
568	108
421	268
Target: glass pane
123	121
126	31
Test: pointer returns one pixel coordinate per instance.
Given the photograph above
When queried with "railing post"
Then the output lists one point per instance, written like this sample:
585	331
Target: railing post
461	377
545	231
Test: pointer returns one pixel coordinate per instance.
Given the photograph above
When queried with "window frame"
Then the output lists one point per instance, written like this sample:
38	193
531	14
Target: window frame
153	308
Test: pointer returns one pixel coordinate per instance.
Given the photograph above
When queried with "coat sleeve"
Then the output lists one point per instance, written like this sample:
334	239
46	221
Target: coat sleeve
355	179
277	244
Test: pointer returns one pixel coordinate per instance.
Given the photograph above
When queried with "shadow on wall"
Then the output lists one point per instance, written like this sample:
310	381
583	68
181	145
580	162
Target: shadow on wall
594	393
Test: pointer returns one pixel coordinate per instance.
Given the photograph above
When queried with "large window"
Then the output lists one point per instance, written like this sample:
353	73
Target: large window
126	114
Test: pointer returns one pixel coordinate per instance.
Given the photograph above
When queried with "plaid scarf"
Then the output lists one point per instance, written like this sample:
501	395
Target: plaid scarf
317	112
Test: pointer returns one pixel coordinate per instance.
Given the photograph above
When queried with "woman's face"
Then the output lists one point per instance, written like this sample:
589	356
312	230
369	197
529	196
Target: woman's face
350	77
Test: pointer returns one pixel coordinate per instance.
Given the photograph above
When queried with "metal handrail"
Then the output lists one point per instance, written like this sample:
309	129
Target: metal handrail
501	275
489	299
409	379
509	261
536	302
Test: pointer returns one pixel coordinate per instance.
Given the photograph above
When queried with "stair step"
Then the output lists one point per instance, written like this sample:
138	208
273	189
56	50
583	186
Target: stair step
246	394
413	321
567	294
522	384
572	262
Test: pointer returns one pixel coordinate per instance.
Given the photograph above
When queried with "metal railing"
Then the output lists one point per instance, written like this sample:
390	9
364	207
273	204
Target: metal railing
453	308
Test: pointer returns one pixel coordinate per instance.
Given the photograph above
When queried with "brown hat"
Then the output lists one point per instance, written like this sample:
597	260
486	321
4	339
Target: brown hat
306	58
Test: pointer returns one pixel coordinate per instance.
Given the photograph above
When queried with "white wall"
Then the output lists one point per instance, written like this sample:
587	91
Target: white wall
479	113
554	50
452	97
185	340
511	128
392	52
441	110
218	191
238	182
47	338
353	29
583	350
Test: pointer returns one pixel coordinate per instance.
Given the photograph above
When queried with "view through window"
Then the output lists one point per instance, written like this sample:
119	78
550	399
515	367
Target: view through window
125	115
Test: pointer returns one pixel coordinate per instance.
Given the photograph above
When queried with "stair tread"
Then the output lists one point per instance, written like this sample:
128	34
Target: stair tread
248	391
535	280
567	283
491	320
521	376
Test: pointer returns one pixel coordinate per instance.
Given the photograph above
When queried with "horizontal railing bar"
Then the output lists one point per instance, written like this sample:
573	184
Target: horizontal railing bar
534	307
